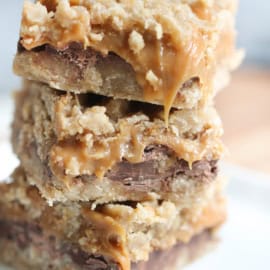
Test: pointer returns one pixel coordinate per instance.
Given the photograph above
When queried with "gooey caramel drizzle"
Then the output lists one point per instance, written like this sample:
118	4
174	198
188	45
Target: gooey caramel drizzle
166	52
112	237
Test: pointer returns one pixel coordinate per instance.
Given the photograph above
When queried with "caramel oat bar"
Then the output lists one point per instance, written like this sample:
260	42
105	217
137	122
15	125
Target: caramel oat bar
116	236
172	53
116	133
88	147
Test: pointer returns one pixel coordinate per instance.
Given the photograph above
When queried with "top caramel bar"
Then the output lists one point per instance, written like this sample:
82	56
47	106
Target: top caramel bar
167	43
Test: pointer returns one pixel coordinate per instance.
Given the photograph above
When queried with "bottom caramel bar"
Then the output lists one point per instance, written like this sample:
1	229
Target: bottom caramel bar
119	236
30	255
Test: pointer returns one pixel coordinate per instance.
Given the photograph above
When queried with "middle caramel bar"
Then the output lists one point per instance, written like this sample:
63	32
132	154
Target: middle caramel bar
88	147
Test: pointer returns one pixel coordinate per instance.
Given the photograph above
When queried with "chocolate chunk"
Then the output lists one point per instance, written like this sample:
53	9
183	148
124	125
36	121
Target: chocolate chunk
90	262
19	232
149	175
75	54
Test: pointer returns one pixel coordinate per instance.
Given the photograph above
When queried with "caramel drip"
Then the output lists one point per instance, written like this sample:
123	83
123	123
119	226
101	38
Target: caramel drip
112	236
163	57
166	60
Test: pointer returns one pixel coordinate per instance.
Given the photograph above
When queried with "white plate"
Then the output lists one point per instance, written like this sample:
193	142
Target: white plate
245	239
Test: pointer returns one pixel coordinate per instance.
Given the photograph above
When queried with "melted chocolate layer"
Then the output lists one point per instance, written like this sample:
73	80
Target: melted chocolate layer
148	175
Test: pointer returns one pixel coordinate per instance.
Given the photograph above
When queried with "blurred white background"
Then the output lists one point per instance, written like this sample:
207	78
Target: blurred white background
10	14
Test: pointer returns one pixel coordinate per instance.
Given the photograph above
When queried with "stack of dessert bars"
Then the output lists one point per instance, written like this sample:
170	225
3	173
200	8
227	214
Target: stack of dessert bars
117	134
